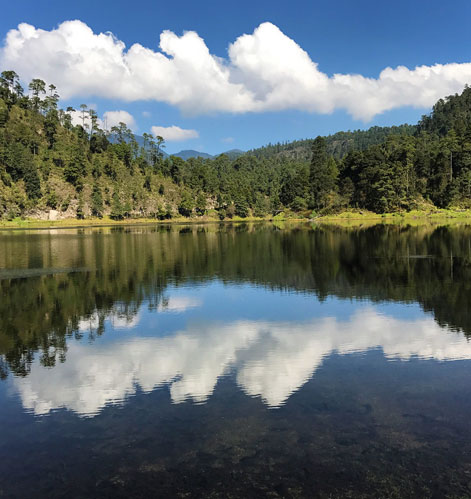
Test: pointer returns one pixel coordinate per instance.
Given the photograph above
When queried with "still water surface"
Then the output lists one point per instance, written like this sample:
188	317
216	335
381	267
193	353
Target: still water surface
235	361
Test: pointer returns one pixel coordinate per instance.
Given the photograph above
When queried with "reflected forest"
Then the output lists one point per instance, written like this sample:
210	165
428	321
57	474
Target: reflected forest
63	278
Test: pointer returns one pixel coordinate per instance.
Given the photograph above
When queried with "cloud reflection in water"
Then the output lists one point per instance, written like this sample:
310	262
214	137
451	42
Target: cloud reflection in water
271	360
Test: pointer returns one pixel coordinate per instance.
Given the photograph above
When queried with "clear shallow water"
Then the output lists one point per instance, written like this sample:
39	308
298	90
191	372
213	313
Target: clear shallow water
235	361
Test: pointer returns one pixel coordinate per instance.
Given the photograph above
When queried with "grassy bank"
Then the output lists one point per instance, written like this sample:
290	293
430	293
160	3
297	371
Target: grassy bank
414	217
347	218
31	223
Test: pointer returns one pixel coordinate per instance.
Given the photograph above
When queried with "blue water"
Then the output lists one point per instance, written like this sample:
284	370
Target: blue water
172	365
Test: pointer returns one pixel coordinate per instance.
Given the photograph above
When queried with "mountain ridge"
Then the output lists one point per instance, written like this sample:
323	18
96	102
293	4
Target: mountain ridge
191	153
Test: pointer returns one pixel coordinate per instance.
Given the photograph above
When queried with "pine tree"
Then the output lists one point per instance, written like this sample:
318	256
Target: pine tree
117	210
97	201
322	175
32	182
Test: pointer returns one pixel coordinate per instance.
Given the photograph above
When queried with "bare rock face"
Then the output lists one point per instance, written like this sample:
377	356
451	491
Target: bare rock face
53	215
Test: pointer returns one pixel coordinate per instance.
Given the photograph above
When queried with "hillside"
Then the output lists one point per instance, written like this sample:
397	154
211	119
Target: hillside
338	144
234	153
190	153
49	167
451	113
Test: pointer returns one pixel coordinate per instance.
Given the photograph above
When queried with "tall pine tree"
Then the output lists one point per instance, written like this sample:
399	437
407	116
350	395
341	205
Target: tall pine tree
322	174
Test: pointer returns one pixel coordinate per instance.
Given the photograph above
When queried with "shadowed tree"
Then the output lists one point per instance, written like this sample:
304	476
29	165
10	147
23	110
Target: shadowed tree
323	173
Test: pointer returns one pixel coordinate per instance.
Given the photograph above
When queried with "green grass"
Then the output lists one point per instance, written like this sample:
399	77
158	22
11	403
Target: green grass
30	223
346	218
413	217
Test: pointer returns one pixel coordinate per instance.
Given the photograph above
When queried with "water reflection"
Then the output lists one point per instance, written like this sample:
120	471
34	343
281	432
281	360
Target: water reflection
58	288
156	352
178	303
270	360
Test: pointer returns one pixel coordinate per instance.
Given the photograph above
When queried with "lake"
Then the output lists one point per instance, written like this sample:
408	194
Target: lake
236	360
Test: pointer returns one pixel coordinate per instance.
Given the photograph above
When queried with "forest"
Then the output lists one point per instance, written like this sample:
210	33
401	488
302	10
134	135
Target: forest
49	163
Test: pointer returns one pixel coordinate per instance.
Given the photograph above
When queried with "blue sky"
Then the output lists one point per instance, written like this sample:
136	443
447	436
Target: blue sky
345	37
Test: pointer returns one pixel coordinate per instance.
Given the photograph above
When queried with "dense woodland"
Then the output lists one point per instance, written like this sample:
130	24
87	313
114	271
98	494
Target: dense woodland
48	163
338	144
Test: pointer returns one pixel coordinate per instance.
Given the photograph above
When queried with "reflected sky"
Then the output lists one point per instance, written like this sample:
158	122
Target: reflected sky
243	360
177	346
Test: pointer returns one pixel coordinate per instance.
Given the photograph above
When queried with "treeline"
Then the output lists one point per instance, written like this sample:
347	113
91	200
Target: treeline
49	163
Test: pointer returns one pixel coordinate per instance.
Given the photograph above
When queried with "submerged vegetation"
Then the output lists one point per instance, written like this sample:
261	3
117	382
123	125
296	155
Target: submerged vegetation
53	168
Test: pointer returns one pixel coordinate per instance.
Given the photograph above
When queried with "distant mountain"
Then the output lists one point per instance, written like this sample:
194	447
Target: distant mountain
190	153
186	153
234	153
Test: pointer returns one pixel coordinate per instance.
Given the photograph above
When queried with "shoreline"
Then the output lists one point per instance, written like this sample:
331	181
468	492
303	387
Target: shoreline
348	219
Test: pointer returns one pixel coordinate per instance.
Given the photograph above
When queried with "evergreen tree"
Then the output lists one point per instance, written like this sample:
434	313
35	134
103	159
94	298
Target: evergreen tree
97	201
32	182
186	205
117	210
322	175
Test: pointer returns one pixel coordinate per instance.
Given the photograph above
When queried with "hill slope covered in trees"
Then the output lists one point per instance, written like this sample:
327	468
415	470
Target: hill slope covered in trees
47	163
338	144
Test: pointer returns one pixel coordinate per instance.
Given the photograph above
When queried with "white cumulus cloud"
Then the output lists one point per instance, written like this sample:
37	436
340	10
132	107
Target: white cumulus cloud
81	118
264	71
109	119
174	133
113	118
